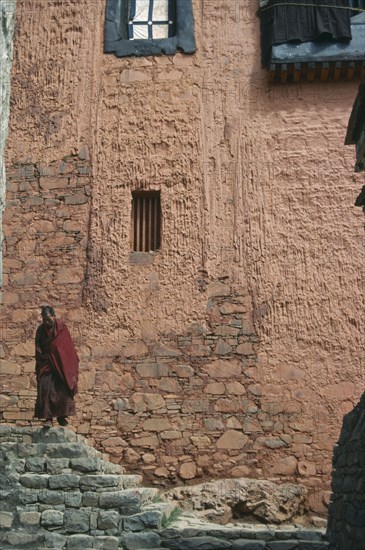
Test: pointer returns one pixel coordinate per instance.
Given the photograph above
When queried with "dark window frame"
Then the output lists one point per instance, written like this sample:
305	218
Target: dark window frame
116	32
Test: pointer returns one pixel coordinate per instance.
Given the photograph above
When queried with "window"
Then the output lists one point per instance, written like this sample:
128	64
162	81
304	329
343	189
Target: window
313	39
151	19
148	27
146	220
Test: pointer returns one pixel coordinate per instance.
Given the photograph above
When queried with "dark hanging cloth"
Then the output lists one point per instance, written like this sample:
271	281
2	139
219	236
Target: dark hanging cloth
303	21
57	372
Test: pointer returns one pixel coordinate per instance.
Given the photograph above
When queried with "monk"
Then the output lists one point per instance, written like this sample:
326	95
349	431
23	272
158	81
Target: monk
56	370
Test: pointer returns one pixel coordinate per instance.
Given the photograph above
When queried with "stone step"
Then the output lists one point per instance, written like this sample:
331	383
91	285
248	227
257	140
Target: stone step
188	532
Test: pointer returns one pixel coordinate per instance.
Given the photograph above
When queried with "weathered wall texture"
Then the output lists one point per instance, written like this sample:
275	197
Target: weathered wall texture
238	348
7	17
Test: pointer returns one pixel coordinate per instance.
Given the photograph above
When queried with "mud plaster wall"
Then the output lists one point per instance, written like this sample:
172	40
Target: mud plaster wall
257	192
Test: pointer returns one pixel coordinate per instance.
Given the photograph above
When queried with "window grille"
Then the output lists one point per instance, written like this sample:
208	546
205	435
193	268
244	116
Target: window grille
146	220
151	19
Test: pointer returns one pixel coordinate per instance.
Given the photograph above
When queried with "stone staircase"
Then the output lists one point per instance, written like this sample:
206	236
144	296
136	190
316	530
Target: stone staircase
57	492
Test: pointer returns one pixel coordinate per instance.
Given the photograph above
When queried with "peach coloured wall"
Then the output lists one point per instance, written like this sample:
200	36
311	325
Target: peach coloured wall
262	247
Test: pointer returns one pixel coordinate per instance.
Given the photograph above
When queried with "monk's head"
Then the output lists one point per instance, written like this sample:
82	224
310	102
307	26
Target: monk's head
48	316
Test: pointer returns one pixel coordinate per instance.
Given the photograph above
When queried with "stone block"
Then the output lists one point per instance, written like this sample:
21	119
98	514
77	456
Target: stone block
34	481
170	385
76	199
108	519
93	482
6	367
198	543
274	442
29	519
35	464
251	425
152	370
282	545
57	465
214	424
150	519
235	388
232	439
306	468
184	371
64	481
25	349
154	401
215	388
247	348
128	502
65	450
223	348
156	425
135	541
200	441
240	471
75	542
52	518
233	423
51	182
51	497
228	405
28	496
146	441
188	470
106	543
6	519
54	540
222	368
84	464
285	466
217	289
90	498
195	405
20	540
73	499
77	521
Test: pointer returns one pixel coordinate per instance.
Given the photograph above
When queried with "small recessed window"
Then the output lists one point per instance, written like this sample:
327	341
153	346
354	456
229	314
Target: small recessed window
146	220
151	19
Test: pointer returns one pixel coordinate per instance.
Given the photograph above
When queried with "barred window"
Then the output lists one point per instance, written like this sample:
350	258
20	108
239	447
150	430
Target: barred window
148	27
151	19
146	220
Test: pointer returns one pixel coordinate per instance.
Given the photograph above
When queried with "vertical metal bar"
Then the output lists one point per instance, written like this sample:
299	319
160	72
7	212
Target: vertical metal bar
143	228
156	223
150	221
138	217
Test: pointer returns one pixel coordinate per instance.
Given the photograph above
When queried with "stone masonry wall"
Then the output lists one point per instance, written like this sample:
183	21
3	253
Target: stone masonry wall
57	492
238	346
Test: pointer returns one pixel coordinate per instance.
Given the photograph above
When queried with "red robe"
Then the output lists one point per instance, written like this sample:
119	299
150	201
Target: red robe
57	372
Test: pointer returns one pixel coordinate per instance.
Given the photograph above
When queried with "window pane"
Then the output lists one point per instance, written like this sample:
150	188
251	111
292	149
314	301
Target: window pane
139	10
160	31
160	10
140	32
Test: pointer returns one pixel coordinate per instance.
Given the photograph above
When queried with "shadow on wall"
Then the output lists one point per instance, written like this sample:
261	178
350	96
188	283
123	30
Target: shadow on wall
346	521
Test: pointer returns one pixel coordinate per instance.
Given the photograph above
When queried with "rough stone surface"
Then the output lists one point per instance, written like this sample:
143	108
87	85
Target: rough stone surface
134	518
260	251
244	498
